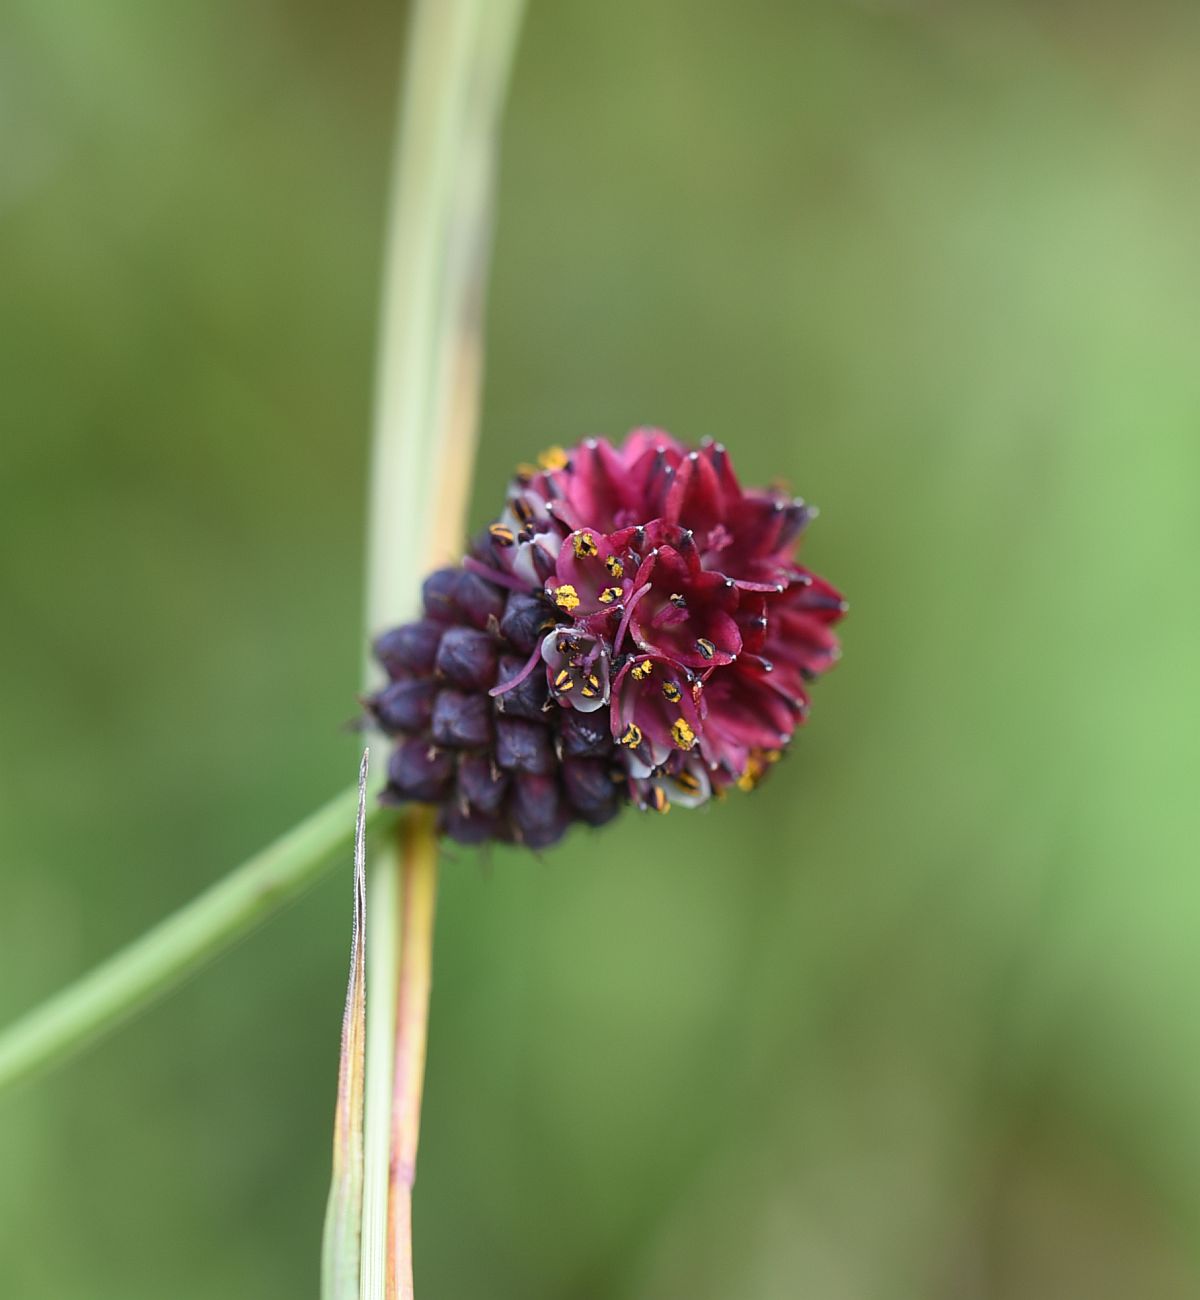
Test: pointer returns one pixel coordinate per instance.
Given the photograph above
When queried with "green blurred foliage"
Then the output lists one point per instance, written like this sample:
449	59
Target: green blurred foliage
919	1019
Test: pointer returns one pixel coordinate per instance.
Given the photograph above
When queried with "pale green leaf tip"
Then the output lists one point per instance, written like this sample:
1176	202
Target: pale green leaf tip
342	1242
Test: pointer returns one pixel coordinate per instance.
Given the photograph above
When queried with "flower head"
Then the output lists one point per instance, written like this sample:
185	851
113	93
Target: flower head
634	627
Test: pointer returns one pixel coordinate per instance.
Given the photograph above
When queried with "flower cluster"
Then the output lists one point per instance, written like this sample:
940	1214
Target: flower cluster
633	628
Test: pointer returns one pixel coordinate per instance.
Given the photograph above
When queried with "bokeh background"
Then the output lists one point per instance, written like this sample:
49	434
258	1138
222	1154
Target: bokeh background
920	1019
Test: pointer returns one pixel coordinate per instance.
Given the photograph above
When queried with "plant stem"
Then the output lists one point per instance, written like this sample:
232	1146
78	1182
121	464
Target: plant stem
382	964
418	893
427	394
161	958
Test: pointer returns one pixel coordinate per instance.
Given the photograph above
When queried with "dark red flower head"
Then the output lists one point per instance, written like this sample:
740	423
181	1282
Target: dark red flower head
633	628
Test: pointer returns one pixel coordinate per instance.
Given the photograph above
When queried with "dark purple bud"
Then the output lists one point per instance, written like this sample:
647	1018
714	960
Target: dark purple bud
438	591
538	815
523	746
477	599
467	657
419	770
586	735
483	546
527	699
410	648
404	705
481	785
462	721
525	621
471	826
590	788
543	562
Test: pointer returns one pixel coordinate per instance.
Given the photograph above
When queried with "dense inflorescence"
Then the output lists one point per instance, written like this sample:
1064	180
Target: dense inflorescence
633	628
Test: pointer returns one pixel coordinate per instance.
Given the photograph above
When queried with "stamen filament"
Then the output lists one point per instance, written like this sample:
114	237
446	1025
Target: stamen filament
514	682
633	600
494	575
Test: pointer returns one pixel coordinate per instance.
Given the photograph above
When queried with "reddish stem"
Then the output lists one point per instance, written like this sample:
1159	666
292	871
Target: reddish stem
418	897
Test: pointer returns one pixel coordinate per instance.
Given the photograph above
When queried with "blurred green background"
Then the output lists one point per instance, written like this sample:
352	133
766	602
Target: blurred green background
919	1020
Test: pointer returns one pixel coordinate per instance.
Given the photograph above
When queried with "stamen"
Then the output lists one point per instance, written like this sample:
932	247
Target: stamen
669	615
530	664
677	600
585	546
566	597
563	681
631	737
501	534
639	672
683	736
659	801
629	607
671	691
615	567
553	458
609	594
508	580
756	767
706	647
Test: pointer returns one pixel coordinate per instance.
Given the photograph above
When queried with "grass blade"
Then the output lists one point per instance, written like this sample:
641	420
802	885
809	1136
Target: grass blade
342	1246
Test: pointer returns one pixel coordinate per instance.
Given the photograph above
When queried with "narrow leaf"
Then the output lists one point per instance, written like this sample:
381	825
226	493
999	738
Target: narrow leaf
342	1245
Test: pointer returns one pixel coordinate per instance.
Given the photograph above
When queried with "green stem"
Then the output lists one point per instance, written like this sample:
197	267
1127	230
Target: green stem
165	955
429	372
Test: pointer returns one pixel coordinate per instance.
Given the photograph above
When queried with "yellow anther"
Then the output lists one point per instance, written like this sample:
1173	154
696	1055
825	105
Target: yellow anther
553	458
563	681
688	781
706	647
641	671
631	737
502	534
659	801
671	691
677	600
615	567
756	767
609	594
566	597
585	546
683	736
